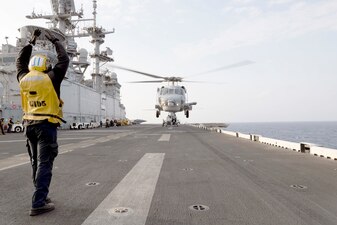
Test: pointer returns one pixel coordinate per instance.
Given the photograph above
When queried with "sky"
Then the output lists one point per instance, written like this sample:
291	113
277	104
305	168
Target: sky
291	42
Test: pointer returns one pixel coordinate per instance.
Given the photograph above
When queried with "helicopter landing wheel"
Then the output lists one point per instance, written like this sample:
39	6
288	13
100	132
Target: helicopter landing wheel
187	113
157	114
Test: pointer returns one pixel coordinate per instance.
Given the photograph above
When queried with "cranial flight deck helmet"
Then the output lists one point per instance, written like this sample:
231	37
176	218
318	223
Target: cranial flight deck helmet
40	63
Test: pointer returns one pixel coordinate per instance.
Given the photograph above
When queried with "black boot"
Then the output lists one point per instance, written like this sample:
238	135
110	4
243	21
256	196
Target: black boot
43	209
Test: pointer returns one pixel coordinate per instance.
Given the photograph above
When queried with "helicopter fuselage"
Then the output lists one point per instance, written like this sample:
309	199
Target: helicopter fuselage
172	99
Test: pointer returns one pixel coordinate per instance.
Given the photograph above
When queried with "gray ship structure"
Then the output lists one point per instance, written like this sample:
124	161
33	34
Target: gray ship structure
87	102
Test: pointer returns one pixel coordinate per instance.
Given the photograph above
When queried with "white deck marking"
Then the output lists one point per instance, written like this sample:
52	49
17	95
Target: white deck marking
134	192
165	137
12	166
24	140
22	159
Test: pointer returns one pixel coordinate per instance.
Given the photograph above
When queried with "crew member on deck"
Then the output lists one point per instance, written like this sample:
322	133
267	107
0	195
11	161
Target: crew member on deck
42	107
2	126
10	125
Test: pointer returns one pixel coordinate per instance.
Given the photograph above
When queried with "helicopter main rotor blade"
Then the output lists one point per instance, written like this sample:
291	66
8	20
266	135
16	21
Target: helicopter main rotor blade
193	81
238	64
136	71
147	81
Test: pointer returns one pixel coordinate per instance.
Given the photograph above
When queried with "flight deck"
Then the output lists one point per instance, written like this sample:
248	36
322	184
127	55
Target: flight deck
154	175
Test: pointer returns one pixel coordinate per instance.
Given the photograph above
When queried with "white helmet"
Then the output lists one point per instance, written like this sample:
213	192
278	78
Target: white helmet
40	63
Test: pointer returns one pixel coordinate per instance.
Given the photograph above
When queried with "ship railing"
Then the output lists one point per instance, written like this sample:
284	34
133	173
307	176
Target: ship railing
328	153
303	147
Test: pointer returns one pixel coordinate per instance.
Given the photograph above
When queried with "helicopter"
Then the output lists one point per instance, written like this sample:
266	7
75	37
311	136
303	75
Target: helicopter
172	98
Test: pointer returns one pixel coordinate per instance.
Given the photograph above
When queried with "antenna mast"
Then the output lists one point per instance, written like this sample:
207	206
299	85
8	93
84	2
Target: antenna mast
98	34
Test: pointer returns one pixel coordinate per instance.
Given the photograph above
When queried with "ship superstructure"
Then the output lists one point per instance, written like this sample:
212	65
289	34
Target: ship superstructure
92	100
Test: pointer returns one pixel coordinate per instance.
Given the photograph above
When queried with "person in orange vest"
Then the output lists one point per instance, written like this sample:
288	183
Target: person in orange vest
42	106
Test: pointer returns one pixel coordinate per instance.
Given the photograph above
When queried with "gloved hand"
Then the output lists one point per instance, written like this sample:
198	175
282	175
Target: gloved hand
50	36
36	34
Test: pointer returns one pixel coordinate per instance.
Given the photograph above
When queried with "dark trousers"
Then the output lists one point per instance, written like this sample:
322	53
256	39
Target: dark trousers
2	129
9	129
42	148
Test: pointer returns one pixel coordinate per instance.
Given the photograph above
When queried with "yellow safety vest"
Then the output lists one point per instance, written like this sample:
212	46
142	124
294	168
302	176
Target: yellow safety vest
39	98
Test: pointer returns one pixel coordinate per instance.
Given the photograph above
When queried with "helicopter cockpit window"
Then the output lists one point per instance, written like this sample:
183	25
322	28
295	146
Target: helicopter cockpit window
163	91
178	91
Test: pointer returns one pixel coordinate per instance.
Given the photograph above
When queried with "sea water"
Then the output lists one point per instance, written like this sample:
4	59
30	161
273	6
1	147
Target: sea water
320	133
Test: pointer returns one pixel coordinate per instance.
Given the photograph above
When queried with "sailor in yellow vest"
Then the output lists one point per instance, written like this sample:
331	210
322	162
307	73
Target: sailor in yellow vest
40	92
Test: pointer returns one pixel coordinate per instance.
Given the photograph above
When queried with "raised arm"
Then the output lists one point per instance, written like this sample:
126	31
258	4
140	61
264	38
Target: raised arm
24	56
60	69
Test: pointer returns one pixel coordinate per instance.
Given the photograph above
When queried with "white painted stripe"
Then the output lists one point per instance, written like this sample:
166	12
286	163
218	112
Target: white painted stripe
11	141
88	145
60	139
93	132
12	166
134	192
165	137
21	159
13	161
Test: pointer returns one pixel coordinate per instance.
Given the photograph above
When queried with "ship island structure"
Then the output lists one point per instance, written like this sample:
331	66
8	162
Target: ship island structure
86	100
